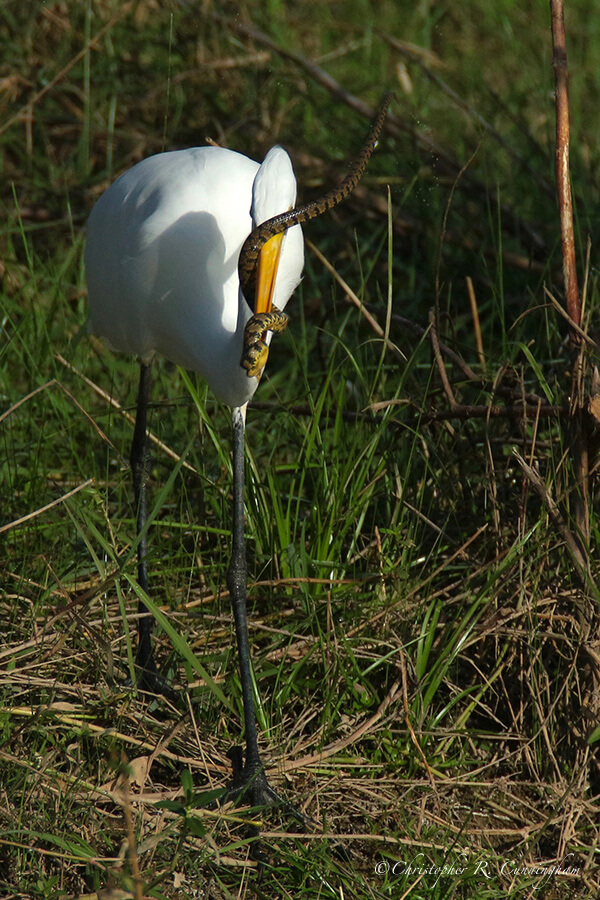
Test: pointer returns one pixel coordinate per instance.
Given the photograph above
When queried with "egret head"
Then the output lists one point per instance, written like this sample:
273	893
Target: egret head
273	192
274	189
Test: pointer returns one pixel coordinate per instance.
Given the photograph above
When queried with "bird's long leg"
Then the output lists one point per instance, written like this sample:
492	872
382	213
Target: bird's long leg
249	777
149	678
139	459
252	770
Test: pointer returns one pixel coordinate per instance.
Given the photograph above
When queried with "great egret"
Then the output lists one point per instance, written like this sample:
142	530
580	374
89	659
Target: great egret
167	273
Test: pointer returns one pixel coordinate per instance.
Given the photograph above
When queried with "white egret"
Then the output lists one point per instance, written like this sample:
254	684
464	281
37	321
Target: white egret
194	254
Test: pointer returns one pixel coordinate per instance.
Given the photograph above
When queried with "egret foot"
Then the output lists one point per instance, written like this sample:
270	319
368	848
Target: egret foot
250	784
148	678
150	681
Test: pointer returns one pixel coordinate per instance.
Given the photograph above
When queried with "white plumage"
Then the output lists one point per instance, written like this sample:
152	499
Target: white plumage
162	252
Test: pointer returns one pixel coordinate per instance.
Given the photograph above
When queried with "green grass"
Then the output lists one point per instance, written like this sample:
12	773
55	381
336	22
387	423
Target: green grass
425	651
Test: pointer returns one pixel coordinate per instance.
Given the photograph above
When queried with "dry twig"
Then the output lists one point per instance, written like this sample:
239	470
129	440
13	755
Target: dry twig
565	206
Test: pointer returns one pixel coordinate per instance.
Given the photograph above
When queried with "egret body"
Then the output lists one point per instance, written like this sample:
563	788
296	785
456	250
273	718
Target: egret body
162	252
194	254
161	257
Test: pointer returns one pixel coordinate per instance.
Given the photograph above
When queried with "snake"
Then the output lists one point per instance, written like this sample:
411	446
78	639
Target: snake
249	254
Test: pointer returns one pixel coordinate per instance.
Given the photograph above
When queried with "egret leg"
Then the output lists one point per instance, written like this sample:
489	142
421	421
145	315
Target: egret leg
249	781
149	678
249	777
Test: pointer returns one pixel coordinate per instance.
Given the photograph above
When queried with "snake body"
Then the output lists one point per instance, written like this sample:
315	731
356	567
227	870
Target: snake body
248	259
256	351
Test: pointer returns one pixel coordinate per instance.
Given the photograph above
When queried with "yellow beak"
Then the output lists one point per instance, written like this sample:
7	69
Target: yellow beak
268	263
